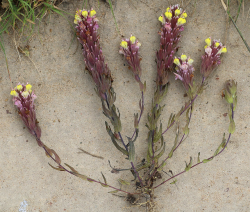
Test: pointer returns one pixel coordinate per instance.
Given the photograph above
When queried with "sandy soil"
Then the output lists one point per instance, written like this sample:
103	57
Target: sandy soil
70	115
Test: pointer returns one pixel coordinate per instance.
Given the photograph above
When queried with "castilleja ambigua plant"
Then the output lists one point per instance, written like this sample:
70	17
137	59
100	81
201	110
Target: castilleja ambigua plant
147	173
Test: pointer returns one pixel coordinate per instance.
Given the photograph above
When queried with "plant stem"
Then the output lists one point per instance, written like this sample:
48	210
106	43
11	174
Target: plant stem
132	164
142	109
186	107
229	136
70	172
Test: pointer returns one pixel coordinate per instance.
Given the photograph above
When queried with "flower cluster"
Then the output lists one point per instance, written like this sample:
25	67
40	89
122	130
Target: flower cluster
94	60
172	25
23	98
185	70
211	59
130	49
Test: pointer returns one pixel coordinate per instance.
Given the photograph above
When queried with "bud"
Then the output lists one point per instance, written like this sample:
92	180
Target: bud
230	91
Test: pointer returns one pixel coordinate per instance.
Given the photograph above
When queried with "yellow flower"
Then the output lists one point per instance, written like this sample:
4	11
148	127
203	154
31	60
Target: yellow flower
168	15
223	50
176	61
77	18
190	61
177	12
208	41
184	15
124	44
19	87
183	57
28	87
181	21
85	13
25	94
132	39
205	47
161	19
217	44
168	10
13	93
92	13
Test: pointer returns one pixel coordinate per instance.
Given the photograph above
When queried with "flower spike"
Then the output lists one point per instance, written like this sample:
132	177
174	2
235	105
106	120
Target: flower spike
172	25
211	59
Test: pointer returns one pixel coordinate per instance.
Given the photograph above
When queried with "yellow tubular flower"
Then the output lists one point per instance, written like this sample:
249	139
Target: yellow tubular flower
208	41
217	44
224	50
85	13
184	15
168	10
19	87
181	21
205	47
25	94
92	13
160	19
132	39
77	18
177	12
183	57
177	62
28	88
190	61
124	44
14	93
168	15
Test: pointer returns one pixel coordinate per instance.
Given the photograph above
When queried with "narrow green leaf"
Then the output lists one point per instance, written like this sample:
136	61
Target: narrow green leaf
231	126
174	181
113	192
57	168
114	140
198	160
188	167
123	182
207	160
161	153
131	155
161	166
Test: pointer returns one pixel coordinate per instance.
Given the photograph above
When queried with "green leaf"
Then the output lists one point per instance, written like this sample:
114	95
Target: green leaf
221	145
171	119
113	192
131	155
231	126
188	166
150	147
105	181
72	169
158	135
207	160
174	181
123	182
161	153
161	166
114	140
57	168
198	160
83	177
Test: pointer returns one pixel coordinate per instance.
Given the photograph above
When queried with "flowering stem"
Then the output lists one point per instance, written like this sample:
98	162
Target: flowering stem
229	136
186	107
71	172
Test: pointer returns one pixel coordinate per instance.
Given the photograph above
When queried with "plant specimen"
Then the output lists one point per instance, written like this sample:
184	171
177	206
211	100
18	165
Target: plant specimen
147	173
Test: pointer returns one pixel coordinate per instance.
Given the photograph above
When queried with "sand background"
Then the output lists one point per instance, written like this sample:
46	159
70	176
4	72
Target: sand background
70	115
